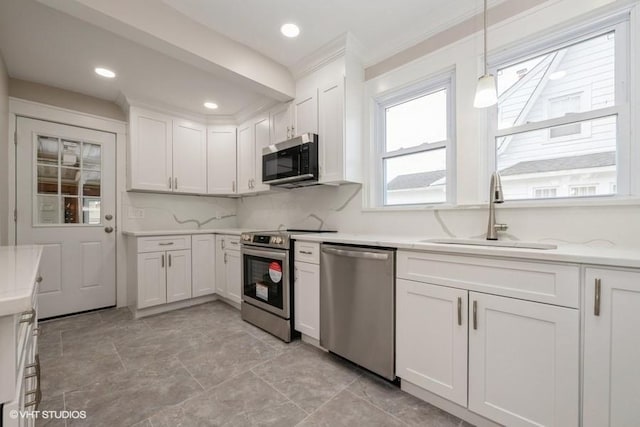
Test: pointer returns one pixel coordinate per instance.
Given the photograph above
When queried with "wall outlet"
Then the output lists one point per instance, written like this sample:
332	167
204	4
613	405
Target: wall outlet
136	213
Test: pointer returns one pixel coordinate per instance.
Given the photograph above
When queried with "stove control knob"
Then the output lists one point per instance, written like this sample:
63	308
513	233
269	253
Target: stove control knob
279	240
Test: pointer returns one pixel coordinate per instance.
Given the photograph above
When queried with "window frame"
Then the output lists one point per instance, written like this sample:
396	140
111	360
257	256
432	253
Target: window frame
626	178
442	81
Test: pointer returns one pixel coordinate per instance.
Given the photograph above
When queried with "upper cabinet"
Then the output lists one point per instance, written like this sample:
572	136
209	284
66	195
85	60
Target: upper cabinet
221	160
281	121
261	137
166	154
305	112
246	158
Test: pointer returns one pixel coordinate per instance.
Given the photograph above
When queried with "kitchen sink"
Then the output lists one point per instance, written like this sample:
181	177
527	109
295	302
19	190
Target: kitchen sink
493	243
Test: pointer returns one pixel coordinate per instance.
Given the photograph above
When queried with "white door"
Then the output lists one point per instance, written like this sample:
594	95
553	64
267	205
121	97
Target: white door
261	138
150	152
65	190
523	361
189	157
203	262
233	274
611	349
431	338
152	279
306	294
221	268
281	123
178	275
246	158
331	132
306	113
221	155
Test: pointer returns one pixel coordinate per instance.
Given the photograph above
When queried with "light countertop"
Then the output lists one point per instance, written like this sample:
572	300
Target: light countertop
571	253
234	231
18	272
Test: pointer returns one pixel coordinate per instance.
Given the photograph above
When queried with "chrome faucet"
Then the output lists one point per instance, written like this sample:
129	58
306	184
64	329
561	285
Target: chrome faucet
495	196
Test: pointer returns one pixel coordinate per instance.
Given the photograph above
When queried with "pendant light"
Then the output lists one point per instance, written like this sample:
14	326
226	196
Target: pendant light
486	92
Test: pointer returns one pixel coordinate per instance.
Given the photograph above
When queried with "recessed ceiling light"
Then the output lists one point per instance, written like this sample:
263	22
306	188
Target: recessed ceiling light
290	30
105	72
211	105
557	75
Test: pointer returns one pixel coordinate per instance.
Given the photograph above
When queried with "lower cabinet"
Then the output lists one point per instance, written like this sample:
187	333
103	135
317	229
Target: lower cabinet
611	348
228	268
233	270
203	264
178	275
306	299
163	277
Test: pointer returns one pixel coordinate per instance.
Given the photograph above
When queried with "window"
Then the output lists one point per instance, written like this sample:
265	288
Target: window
559	117
414	145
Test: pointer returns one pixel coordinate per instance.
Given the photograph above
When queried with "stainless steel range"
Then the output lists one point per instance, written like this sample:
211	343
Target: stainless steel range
267	271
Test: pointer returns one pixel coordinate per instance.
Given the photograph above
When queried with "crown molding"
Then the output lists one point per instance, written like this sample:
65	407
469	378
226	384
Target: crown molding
336	48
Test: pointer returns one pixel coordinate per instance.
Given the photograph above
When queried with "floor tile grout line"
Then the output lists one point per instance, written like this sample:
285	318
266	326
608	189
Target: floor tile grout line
189	372
378	407
119	357
328	400
278	391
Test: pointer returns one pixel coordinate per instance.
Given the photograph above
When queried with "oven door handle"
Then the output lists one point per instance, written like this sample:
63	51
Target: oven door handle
265	253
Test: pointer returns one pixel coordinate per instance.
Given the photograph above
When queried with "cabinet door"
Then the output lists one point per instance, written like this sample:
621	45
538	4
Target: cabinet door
331	123
246	158
305	111
431	338
150	156
203	262
233	274
611	349
221	269
152	282
189	157
523	361
281	122
306	299
221	160
261	138
178	275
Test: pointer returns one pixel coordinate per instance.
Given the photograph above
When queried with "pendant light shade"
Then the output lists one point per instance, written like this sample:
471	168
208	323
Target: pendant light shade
486	91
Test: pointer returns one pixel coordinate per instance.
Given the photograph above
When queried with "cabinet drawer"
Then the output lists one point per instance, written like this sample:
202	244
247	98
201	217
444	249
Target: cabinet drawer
163	243
543	282
307	252
232	243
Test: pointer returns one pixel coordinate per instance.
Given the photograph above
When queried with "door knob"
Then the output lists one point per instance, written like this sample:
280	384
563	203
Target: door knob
108	229
108	217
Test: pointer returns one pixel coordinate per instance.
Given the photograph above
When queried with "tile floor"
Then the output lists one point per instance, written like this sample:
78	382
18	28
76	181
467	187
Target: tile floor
204	366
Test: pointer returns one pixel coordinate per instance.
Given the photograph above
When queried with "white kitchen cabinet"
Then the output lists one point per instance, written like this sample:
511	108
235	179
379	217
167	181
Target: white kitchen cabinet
246	158
189	157
150	151
306	296
305	112
431	338
166	154
281	121
221	160
261	140
611	395
228	268
523	361
151	283
203	263
178	275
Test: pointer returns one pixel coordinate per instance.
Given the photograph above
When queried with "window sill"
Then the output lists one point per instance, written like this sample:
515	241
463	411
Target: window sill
516	204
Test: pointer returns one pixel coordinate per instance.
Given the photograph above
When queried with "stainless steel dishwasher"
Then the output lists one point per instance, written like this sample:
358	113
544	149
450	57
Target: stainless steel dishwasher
357	305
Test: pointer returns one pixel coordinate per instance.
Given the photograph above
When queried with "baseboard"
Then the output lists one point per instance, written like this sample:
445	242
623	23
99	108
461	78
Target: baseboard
150	311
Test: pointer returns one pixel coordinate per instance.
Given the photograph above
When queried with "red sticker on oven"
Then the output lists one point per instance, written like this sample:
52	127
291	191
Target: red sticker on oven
275	272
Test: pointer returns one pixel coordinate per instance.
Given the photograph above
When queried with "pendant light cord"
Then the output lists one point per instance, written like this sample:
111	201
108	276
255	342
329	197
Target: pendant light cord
485	37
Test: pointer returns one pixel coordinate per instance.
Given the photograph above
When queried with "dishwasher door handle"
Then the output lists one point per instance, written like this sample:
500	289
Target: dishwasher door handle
357	254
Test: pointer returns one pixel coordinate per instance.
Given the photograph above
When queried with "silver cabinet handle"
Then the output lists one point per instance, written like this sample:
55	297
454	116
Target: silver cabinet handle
288	132
233	186
165	244
175	183
356	254
225	257
596	300
222	244
162	261
475	315
459	311
233	242
170	186
306	252
30	316
169	260
293	131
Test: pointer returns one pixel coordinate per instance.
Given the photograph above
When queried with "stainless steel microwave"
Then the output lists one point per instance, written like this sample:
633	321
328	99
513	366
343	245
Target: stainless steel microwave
292	163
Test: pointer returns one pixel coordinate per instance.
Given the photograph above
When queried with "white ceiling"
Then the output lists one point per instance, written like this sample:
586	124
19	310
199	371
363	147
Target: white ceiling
381	26
43	45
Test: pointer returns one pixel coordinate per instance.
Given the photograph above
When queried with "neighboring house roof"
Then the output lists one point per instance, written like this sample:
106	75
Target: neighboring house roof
415	180
585	161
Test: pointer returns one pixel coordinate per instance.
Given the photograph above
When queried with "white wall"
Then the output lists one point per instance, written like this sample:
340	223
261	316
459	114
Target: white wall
607	225
4	151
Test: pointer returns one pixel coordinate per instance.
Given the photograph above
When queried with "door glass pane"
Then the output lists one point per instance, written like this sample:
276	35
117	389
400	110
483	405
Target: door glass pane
70	210
91	156
91	211
70	153
47	179
264	280
91	183
69	181
416	178
47	150
48	210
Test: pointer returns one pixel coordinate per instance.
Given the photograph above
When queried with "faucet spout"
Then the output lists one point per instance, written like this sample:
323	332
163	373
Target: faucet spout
495	196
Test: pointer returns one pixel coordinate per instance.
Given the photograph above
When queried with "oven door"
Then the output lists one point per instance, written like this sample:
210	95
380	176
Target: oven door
265	279
282	165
